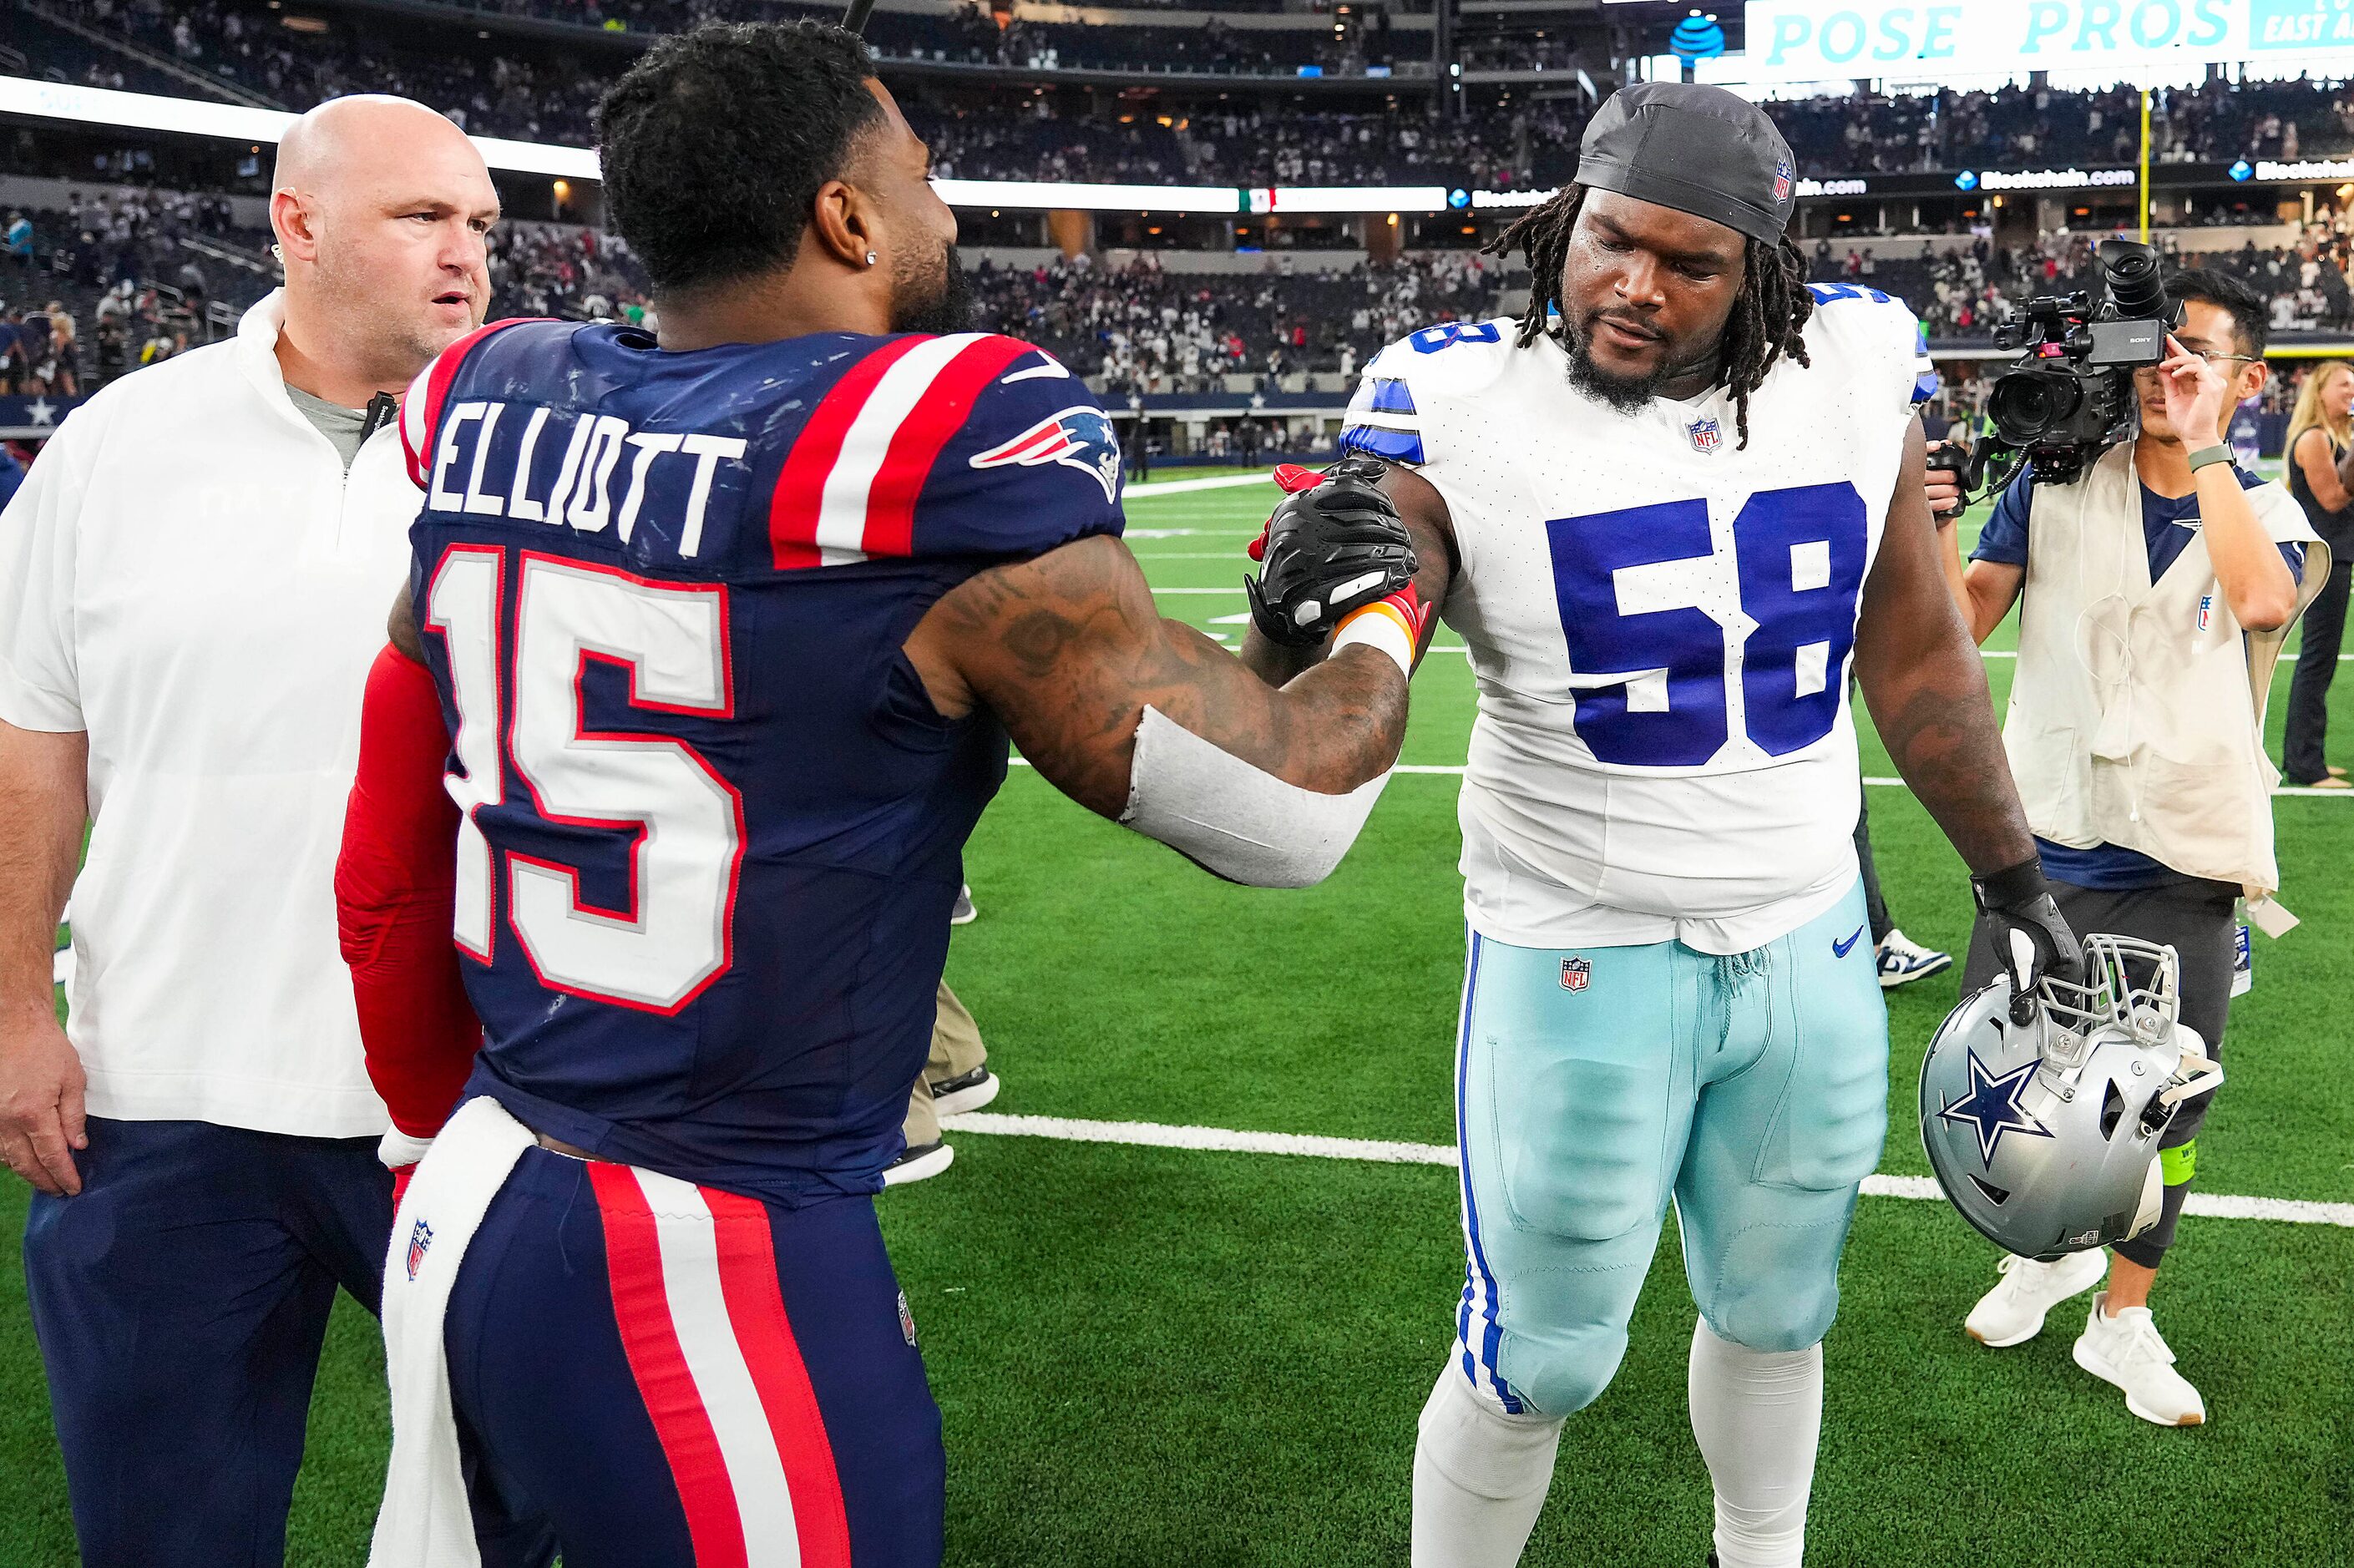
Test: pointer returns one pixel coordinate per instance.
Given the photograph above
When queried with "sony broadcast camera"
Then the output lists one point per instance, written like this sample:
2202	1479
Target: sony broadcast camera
2071	396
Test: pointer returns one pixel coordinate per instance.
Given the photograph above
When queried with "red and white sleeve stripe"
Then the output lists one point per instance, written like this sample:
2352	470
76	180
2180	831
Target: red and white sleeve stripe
848	488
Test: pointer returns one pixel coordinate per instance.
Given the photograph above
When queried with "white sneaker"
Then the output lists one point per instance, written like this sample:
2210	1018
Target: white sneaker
918	1165
1900	960
954	1097
2127	1350
2012	1313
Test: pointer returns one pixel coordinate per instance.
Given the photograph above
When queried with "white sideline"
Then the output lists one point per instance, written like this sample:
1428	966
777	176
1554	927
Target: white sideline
1226	1141
1181	486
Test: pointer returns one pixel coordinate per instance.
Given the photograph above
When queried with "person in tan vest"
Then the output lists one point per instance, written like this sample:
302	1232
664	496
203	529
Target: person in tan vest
2158	589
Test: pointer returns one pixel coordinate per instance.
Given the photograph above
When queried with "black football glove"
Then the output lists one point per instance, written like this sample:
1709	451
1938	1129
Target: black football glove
1334	545
1950	461
2032	940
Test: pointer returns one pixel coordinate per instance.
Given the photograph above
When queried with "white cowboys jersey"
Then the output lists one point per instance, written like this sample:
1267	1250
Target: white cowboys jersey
1660	623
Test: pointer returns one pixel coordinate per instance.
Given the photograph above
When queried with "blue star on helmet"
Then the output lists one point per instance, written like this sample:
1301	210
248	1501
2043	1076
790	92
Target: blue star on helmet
1992	1106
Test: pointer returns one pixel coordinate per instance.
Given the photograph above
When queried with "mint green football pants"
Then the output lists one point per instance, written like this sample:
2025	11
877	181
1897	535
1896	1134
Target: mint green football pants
1593	1085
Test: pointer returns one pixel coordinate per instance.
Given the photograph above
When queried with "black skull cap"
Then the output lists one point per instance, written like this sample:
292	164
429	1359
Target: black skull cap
1699	150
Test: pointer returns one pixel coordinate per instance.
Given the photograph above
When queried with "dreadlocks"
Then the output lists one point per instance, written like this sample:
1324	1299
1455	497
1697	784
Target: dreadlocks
1768	320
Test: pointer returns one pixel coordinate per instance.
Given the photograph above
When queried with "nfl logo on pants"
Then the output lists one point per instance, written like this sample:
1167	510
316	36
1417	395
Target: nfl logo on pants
421	1236
1577	974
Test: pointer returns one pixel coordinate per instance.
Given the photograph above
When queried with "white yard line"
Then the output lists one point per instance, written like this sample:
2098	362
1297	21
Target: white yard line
1226	1140
1455	771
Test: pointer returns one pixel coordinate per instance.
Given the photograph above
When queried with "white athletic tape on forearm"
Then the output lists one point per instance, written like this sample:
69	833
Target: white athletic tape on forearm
1245	825
1380	625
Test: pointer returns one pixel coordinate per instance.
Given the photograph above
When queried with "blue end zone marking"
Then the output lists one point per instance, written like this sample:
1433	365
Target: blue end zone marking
1398	446
1390	397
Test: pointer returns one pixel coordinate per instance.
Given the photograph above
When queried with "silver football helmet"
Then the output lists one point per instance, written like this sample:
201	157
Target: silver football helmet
2045	1134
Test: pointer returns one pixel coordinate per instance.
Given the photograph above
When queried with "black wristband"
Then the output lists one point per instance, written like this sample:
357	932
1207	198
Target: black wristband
2010	887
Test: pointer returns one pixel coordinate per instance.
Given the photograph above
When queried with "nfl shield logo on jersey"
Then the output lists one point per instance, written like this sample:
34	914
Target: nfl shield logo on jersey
1707	435
421	1236
1577	974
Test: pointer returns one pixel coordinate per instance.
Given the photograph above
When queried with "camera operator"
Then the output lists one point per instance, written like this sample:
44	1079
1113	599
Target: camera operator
2136	733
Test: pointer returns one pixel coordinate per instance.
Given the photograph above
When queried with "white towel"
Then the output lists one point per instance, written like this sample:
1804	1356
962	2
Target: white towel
425	1522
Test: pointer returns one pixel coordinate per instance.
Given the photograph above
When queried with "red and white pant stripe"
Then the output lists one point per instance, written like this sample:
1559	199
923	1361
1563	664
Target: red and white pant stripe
702	1321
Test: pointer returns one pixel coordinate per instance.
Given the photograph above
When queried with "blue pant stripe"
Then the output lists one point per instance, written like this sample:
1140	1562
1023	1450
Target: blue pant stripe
1492	1331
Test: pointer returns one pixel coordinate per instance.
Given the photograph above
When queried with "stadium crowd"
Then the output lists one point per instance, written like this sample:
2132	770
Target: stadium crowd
2216	122
547	94
1165	332
1237	144
118	262
1965	294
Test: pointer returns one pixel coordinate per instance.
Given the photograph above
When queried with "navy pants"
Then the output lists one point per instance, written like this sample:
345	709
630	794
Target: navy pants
680	1375
180	1301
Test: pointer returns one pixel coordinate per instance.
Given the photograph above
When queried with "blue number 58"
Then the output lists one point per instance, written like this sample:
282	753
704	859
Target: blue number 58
1800	555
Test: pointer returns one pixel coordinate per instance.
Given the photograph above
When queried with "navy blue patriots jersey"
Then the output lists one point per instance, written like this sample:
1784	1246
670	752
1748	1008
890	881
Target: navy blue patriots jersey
713	825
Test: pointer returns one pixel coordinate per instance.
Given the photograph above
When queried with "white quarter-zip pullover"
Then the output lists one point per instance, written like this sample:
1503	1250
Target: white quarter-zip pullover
190	576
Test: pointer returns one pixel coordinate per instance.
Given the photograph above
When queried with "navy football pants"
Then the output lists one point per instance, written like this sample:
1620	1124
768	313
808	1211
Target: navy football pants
180	1300
688	1378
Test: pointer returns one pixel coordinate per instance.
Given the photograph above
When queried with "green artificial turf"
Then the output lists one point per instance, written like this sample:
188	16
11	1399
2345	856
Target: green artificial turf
1159	1357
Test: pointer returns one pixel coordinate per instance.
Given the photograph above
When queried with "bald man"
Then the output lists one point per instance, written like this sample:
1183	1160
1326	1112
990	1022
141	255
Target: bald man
192	587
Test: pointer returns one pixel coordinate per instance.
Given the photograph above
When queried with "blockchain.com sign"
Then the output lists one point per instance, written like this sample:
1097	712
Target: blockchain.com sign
1818	40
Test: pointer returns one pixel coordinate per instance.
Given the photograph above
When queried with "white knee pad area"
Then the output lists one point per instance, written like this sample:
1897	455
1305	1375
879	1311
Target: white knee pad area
1758	1416
1479	1478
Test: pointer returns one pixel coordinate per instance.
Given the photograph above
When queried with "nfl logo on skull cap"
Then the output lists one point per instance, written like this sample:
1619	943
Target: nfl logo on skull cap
1707	435
1782	180
1577	974
421	1236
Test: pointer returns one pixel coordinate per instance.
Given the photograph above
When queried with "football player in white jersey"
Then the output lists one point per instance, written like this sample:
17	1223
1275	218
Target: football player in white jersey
1667	509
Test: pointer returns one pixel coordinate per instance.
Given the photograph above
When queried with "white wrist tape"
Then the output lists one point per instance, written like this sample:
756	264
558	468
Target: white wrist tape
397	1149
1381	625
1233	819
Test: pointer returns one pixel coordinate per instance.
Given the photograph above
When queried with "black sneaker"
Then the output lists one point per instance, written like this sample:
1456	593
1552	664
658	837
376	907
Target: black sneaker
963	914
916	1163
965	1091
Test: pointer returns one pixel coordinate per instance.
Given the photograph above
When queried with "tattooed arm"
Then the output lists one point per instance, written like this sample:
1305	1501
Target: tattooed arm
1927	686
1069	650
1424	512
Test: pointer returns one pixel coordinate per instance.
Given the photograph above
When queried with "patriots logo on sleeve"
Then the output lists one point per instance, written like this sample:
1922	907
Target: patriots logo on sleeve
1080	437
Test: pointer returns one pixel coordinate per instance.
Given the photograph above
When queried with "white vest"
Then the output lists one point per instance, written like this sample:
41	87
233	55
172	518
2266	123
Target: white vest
2133	720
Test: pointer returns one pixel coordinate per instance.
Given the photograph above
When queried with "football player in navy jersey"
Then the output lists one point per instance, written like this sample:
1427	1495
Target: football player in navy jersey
711	651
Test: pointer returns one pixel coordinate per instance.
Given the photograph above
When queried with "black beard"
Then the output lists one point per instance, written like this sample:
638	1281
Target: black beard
1628	394
947	308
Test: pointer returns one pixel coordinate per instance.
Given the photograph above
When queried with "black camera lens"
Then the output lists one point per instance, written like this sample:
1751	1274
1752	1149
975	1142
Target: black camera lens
2137	290
2026	404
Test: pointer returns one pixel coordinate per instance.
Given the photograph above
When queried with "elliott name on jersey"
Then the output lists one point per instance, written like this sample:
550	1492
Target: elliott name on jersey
1661	621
